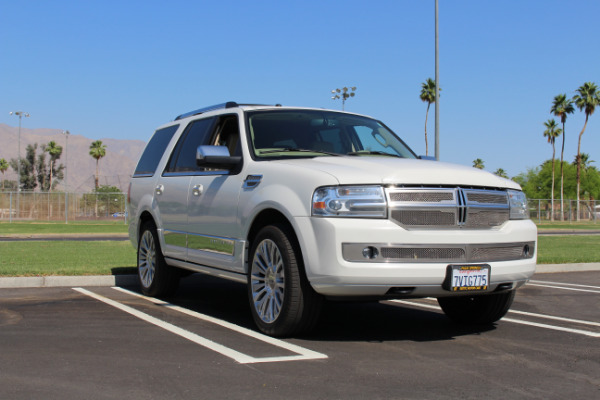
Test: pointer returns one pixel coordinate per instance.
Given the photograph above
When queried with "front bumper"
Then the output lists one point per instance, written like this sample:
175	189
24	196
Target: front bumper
332	253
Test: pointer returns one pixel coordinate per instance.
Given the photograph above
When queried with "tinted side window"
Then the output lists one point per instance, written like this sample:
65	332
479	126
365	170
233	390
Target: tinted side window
154	151
183	158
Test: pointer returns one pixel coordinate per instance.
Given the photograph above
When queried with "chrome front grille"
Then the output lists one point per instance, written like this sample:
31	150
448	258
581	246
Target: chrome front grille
415	208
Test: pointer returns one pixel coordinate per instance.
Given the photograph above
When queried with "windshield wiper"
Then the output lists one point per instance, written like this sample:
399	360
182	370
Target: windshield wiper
369	152
286	149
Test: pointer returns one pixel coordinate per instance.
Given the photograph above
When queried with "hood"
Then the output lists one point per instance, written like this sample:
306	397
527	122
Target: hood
350	170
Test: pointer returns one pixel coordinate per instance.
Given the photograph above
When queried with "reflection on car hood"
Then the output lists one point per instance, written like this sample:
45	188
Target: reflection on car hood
349	170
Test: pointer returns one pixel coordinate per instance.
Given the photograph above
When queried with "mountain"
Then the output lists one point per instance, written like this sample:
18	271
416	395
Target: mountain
115	168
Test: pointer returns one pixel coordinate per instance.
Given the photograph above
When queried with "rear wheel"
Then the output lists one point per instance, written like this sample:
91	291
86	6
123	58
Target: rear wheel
477	310
156	277
282	301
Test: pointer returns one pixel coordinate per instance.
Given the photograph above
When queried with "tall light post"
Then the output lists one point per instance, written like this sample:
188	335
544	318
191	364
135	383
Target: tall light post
343	94
437	85
20	114
66	133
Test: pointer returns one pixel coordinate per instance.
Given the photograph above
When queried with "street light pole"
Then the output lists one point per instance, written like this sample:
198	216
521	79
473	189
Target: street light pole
343	94
20	114
437	87
66	133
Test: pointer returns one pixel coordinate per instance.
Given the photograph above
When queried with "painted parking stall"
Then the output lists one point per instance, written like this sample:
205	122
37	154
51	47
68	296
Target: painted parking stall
296	353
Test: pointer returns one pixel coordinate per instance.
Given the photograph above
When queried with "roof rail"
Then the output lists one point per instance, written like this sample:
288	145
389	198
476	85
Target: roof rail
229	104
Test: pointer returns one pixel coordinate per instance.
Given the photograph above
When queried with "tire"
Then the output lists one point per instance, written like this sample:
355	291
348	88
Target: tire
155	276
477	310
282	301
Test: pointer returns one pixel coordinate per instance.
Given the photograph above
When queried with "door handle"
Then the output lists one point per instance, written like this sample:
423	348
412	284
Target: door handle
197	190
159	189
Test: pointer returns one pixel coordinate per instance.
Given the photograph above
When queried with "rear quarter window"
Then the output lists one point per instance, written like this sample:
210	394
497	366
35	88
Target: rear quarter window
154	151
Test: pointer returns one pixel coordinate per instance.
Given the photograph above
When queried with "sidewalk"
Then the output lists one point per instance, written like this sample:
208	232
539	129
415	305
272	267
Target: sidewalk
131	280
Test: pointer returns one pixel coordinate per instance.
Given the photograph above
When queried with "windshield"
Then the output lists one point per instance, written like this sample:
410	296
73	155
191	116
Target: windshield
311	133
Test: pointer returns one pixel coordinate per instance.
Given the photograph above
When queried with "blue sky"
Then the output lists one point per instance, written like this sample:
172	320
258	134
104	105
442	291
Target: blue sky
118	69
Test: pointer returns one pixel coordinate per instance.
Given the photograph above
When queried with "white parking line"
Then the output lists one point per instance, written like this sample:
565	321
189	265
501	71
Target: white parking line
564	288
303	354
565	284
518	321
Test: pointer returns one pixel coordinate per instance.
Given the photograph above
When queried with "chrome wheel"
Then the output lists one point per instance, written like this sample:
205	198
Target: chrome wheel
267	281
147	259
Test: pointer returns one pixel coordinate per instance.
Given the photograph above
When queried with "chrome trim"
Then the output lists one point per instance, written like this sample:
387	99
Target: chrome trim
203	269
449	208
438	253
175	238
213	244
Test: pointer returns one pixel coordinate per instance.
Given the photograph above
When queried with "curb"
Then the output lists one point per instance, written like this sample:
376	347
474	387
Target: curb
132	280
67	281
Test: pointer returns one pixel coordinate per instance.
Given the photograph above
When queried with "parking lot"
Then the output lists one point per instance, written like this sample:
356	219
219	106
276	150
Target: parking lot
106	343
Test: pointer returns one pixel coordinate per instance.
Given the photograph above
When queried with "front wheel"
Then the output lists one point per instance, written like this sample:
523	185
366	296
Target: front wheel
282	301
155	276
477	310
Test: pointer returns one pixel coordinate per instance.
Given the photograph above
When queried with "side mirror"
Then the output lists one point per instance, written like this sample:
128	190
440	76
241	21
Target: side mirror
428	158
217	156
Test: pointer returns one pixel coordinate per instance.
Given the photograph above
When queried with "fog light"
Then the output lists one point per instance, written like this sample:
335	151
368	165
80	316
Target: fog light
526	251
370	252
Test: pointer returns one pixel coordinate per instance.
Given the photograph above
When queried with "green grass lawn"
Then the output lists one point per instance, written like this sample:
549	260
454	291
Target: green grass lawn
41	227
561	249
582	225
33	258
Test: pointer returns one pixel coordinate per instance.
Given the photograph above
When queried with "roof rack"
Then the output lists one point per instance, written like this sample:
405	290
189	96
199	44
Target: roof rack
229	104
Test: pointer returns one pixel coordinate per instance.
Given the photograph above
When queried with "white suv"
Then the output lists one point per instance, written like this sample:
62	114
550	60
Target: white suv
307	204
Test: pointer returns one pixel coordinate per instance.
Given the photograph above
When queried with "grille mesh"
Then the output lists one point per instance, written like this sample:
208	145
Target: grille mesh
455	254
486	218
416	208
422	197
487	198
425	217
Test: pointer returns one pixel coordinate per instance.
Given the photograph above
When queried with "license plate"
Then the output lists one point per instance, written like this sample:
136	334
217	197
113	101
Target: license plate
468	278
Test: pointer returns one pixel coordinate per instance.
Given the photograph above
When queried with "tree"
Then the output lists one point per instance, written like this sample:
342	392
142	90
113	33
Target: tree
3	167
586	99
55	152
478	163
561	107
97	151
552	132
27	180
428	96
501	173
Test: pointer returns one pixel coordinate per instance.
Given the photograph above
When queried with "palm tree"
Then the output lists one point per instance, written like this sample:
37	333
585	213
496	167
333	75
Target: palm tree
428	96
501	173
561	107
54	151
585	161
552	132
586	99
3	167
97	151
478	163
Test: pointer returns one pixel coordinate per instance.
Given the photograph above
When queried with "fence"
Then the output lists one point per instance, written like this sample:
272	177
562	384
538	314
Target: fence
60	206
541	210
57	206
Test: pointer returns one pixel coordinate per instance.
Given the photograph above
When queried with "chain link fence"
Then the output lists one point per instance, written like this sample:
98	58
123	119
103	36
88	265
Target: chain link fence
60	206
541	210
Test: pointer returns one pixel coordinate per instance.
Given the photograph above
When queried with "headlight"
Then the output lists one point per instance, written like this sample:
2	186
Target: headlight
518	205
349	201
